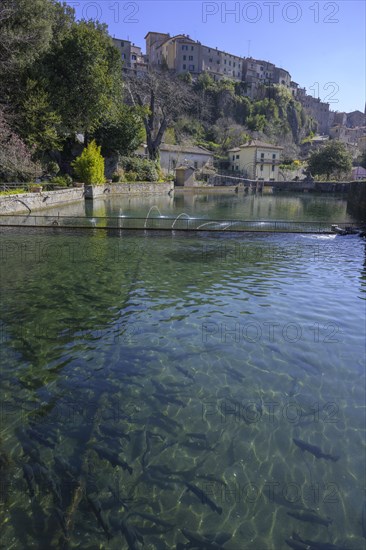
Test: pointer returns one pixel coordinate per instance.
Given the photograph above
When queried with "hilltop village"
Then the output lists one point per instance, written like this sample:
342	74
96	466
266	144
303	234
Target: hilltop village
181	54
179	102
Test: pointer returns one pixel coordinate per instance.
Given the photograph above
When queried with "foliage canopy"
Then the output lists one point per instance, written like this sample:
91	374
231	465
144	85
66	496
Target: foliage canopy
332	159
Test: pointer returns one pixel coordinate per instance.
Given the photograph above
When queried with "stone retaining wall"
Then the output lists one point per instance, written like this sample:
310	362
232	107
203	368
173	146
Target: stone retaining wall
205	189
25	202
356	200
140	188
316	186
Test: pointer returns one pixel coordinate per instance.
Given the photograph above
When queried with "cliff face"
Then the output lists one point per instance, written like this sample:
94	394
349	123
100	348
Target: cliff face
294	123
276	116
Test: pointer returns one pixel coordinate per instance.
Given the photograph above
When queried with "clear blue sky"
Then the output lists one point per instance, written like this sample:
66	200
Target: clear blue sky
321	43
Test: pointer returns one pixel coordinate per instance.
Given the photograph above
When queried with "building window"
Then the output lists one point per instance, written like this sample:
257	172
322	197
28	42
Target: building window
192	48
233	157
234	64
225	61
237	156
133	57
123	56
218	61
210	60
274	155
184	57
261	167
262	156
185	48
191	58
122	44
184	67
236	167
273	168
191	67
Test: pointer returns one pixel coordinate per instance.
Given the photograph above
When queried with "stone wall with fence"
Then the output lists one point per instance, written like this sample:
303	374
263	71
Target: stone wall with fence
24	203
138	188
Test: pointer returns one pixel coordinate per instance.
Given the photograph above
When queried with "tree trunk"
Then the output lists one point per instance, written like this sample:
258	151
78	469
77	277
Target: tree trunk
153	144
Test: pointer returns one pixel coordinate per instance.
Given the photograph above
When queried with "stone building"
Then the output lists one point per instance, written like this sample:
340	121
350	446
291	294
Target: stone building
132	57
338	119
172	156
256	74
358	173
153	41
318	110
256	160
182	54
282	77
350	136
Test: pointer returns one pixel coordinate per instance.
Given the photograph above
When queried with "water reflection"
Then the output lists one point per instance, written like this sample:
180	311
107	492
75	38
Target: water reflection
303	207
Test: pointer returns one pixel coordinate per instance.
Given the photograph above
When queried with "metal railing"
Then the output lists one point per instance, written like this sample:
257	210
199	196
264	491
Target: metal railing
186	223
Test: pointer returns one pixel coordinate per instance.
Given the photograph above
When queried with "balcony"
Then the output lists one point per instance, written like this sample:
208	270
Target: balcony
260	160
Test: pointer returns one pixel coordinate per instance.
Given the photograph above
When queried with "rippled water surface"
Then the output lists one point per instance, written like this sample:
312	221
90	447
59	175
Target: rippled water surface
154	384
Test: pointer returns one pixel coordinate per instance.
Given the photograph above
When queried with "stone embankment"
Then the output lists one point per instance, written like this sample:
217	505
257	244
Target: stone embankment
24	203
140	188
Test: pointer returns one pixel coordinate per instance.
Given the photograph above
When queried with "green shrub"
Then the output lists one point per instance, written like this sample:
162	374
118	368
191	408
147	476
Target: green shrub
131	176
15	191
53	168
141	169
118	176
62	181
89	166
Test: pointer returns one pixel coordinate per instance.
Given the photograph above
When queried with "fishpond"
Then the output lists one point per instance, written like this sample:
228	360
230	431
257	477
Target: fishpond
198	390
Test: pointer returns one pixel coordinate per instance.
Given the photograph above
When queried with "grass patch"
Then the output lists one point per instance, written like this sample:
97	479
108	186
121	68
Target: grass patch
15	191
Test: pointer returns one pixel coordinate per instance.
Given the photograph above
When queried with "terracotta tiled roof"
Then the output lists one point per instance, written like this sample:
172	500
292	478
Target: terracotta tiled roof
258	143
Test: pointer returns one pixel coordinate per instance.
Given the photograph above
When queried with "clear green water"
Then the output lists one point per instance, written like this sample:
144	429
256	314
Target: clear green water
193	359
304	207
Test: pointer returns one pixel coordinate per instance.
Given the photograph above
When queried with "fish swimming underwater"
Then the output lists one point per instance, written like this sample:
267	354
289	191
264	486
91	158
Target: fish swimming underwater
314	450
203	497
311	517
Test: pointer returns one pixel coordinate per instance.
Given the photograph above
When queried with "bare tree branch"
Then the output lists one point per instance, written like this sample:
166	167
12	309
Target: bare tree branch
165	98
